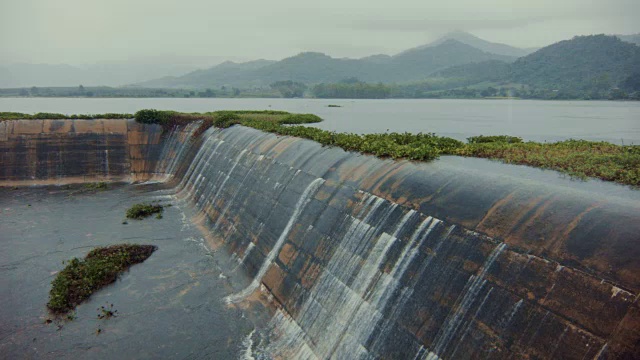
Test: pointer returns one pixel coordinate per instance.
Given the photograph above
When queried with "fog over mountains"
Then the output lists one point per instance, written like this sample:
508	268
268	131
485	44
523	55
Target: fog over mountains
457	54
411	65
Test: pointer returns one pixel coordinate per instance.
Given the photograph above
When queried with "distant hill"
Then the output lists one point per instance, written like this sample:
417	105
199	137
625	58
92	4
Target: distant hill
491	70
634	39
222	74
584	61
480	44
419	63
312	67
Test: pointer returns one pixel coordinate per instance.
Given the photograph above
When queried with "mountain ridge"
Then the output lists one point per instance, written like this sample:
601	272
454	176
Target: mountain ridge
478	43
316	67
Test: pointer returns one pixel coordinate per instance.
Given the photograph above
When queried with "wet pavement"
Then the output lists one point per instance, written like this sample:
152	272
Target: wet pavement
170	306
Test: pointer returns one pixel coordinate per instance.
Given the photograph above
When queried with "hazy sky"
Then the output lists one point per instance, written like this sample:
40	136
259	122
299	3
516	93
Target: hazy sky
88	31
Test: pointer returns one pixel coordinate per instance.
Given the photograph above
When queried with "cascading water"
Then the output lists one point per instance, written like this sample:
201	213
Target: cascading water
175	146
357	275
304	200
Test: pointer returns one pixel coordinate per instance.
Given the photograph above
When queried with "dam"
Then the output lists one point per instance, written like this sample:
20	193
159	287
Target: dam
318	253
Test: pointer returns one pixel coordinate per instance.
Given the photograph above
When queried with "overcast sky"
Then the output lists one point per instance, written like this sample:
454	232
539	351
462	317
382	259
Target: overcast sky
90	31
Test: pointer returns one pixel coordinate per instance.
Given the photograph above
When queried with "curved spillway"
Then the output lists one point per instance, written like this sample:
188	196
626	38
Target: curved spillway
369	258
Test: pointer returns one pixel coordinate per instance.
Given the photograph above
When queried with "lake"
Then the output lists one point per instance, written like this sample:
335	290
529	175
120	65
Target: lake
616	122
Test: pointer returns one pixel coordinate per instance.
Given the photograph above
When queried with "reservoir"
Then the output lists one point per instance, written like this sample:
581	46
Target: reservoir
612	121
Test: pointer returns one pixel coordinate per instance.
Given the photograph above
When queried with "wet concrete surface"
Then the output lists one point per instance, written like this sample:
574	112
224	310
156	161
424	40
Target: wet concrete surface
170	306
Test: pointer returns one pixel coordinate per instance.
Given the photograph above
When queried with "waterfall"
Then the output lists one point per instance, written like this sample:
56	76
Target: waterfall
106	162
175	147
475	284
306	196
359	274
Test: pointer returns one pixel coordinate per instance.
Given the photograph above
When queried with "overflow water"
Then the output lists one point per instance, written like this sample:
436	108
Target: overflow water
362	258
361	266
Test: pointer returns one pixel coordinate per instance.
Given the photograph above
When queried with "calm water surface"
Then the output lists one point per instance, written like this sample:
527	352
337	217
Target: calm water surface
169	307
617	122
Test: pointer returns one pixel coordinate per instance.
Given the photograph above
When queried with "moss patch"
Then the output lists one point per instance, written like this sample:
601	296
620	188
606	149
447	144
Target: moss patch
141	211
102	266
96	186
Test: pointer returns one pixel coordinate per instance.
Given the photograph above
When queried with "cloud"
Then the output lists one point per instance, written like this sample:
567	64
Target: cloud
81	31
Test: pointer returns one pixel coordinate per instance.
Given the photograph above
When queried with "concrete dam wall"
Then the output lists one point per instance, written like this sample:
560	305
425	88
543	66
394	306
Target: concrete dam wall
63	151
368	258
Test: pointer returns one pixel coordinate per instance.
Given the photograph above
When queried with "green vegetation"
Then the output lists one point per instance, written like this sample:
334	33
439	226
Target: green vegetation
586	64
102	266
107	312
96	186
222	119
494	139
577	158
141	211
289	89
207	91
55	116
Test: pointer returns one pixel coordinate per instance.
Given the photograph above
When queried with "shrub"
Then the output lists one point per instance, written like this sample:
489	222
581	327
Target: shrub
300	119
496	138
226	119
96	186
152	116
141	211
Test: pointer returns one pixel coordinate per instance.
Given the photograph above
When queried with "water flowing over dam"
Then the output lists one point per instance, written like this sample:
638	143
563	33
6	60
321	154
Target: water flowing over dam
365	258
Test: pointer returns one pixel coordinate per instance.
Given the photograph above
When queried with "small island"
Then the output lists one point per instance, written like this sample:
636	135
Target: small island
101	267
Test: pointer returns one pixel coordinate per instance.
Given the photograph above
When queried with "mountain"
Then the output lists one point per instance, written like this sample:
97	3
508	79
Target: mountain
476	42
222	74
419	63
313	67
491	70
584	61
101	74
634	38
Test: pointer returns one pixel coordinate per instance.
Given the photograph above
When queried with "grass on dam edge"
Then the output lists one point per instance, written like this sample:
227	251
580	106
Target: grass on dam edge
577	158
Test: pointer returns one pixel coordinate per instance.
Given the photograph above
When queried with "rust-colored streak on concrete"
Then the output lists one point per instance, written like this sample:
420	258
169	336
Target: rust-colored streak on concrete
27	127
506	214
625	338
68	151
533	228
117	127
287	254
352	173
273	280
281	146
557	245
57	126
4	131
373	180
89	126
